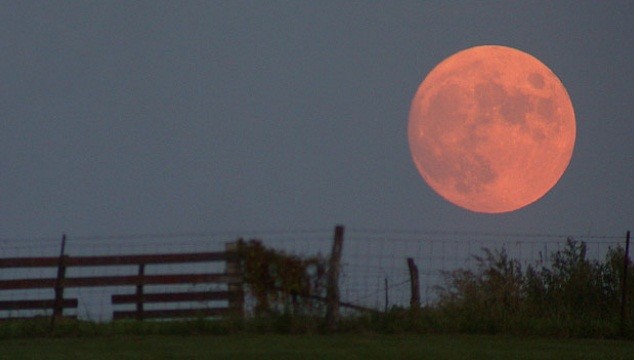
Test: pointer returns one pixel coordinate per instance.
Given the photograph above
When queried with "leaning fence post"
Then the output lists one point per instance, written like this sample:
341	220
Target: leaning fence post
234	269
58	305
414	301
332	296
626	263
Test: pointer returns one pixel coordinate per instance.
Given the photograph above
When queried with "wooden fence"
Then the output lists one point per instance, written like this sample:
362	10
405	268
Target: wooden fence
232	276
233	295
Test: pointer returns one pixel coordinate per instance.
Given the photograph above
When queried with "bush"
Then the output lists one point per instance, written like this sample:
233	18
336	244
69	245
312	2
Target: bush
570	295
281	283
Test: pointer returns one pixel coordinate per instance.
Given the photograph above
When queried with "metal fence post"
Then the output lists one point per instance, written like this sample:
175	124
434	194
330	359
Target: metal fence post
387	295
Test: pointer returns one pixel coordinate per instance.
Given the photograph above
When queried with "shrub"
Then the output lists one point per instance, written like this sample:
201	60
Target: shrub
570	294
282	283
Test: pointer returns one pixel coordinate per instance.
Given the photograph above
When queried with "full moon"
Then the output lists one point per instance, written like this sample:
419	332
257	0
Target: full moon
491	129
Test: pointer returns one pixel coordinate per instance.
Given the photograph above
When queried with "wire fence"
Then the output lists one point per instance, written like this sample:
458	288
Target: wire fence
374	271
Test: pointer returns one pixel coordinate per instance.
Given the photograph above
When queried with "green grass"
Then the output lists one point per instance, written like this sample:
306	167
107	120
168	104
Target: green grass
305	347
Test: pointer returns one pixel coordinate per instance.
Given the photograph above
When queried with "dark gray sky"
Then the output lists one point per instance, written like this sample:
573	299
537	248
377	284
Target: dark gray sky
153	117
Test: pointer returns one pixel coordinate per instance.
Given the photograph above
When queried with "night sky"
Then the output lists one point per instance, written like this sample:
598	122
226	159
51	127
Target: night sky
166	117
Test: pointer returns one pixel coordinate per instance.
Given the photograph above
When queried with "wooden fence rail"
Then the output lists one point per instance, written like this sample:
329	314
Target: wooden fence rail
232	277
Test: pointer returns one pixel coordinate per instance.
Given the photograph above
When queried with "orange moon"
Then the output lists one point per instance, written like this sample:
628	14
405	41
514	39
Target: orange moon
491	129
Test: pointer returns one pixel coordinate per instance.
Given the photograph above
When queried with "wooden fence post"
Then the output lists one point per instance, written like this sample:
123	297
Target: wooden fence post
414	301
139	293
58	305
332	296
626	263
234	268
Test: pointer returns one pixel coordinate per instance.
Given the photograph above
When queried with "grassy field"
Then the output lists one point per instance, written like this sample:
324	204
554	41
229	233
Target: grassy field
306	347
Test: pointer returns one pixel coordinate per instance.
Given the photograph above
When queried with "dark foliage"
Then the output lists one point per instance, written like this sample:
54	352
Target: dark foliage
568	295
281	283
